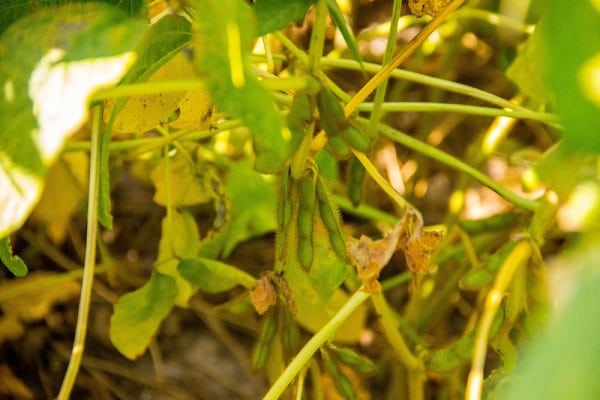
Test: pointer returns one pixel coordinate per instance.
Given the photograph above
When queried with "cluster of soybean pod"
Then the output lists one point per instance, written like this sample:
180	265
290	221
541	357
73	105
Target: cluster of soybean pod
305	197
306	184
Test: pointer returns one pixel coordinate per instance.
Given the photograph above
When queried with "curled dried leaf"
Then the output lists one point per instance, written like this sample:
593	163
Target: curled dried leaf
263	296
370	256
429	7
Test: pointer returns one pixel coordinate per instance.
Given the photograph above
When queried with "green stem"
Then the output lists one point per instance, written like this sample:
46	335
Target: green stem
387	57
406	51
89	264
317	39
433	82
154	143
463	109
186	85
517	258
318	339
409	360
457	164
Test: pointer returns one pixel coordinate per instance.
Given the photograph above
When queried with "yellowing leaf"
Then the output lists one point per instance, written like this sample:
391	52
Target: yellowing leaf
187	186
179	240
142	113
36	304
195	112
64	187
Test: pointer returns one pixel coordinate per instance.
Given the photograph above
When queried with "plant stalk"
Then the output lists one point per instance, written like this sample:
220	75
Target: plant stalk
89	263
318	339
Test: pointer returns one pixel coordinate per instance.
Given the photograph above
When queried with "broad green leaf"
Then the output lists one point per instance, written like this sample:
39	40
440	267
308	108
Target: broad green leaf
572	45
12	10
212	276
137	315
562	362
222	40
179	240
272	15
253	203
14	263
47	76
529	70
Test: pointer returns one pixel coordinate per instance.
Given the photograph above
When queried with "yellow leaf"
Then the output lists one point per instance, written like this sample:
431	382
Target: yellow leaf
65	191
142	113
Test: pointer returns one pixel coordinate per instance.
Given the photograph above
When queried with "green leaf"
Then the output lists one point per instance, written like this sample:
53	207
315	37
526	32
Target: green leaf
47	76
213	276
572	44
479	277
222	40
529	70
179	240
338	16
137	315
273	15
562	363
253	203
14	263
460	351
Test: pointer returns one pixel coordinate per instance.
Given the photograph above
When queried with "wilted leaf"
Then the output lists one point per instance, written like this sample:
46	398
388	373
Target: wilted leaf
35	304
370	256
45	72
263	296
429	7
137	315
214	276
11	386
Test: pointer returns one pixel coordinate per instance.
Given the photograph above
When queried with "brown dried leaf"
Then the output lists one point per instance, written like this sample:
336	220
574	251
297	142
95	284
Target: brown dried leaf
429	7
369	256
263	296
419	248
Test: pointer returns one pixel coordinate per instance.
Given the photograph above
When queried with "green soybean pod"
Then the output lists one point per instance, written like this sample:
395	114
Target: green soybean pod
330	217
338	147
285	208
356	175
357	139
351	358
331	111
342	382
333	121
261	351
306	205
